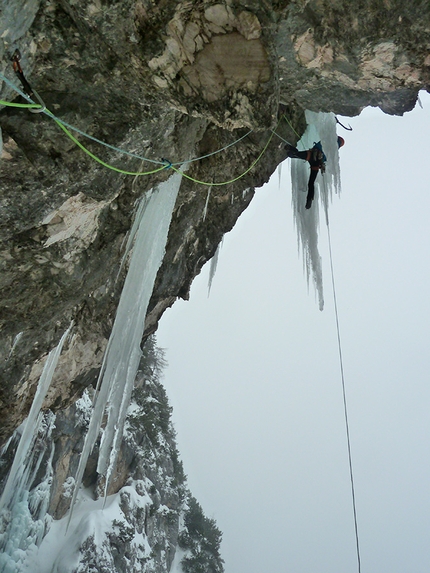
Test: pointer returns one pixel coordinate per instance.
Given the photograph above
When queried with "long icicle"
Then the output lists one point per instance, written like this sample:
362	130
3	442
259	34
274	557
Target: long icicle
123	353
26	441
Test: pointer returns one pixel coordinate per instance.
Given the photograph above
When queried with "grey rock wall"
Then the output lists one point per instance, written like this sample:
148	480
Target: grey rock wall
161	79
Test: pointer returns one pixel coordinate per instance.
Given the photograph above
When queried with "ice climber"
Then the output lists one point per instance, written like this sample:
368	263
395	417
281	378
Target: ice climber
316	159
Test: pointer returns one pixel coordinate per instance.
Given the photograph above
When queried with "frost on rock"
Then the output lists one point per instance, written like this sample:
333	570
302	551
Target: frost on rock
321	127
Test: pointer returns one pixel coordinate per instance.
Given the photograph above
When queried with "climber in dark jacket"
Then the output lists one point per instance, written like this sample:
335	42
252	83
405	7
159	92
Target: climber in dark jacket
316	159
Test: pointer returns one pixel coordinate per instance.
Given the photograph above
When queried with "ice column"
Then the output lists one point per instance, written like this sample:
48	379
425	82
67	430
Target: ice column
321	127
23	510
28	433
123	352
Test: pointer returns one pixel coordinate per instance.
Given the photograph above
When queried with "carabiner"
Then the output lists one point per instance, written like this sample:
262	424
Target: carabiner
29	91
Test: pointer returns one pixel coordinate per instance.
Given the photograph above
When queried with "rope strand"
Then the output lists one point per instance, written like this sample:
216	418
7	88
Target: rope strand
61	122
345	408
164	163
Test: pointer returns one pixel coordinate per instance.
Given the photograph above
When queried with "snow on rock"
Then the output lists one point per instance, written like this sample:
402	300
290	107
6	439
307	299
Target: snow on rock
86	545
141	527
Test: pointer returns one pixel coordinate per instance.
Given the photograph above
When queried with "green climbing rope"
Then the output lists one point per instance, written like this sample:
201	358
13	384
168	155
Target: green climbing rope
88	152
165	165
21	105
212	184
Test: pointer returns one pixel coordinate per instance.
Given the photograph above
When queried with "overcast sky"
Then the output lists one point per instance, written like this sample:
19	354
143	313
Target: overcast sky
254	374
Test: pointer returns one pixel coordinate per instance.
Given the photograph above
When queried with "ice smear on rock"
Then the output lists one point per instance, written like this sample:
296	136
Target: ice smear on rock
205	209
123	352
321	127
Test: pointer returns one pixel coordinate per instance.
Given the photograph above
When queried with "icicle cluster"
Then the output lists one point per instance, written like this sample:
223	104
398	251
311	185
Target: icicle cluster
321	127
22	510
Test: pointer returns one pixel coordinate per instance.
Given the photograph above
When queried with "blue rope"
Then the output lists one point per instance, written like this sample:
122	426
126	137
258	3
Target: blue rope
281	138
217	151
117	149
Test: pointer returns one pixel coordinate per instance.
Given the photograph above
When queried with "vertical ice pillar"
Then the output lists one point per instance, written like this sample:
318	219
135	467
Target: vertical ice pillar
123	352
22	511
321	127
30	424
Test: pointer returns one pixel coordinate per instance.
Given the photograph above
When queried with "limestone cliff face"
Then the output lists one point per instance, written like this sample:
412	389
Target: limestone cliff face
171	80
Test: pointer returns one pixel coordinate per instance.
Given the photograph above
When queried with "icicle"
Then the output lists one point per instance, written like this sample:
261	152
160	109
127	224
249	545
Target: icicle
279	175
321	127
23	511
205	210
213	267
14	344
123	352
132	234
27	436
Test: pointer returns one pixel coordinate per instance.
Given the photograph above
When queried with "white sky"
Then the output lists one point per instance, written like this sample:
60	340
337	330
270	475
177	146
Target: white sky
254	375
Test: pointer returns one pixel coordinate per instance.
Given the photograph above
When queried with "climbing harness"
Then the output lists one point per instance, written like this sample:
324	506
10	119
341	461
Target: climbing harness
16	59
341	124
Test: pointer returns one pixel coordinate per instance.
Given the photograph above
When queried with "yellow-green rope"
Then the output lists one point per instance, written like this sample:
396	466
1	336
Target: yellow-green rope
289	123
21	105
88	152
210	183
138	173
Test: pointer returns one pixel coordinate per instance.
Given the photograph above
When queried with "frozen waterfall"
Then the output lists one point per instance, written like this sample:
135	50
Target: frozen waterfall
22	512
123	352
23	507
321	127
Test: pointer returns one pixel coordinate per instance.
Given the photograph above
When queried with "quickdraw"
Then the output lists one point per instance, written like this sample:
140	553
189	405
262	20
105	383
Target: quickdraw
16	58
